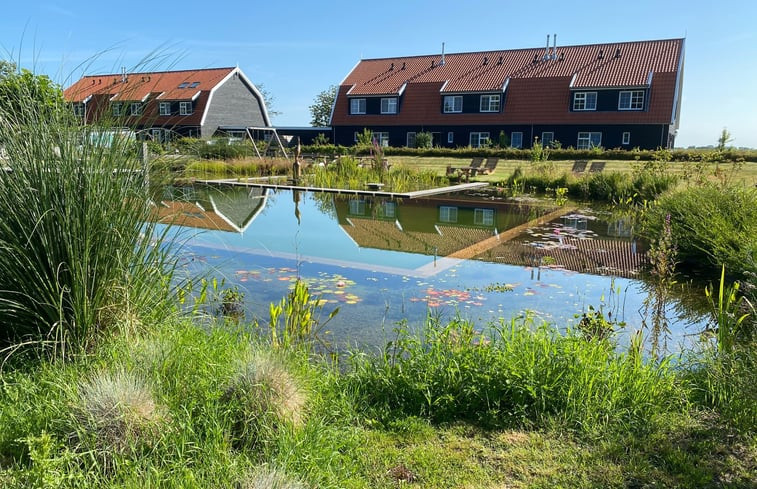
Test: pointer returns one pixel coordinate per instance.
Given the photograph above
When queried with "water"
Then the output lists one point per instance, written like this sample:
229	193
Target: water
381	262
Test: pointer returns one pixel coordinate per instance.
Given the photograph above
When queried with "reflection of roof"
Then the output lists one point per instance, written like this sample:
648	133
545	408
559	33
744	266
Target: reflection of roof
215	211
597	256
386	235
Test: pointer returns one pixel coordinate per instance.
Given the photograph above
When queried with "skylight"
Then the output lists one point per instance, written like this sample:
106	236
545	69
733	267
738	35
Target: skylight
194	84
183	84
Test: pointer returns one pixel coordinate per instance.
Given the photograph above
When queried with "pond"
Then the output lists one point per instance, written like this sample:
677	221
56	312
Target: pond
472	254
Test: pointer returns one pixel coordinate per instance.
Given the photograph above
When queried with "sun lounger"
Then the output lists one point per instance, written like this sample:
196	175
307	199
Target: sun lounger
579	166
597	166
491	164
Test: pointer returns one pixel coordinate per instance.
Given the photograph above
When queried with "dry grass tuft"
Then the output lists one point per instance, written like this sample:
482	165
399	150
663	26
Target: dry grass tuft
116	413
268	478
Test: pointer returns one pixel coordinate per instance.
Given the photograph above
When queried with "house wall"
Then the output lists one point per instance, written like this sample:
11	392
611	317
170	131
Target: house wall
233	103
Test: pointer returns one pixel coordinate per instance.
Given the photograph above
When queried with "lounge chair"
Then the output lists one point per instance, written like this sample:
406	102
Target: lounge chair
579	166
597	166
491	164
475	164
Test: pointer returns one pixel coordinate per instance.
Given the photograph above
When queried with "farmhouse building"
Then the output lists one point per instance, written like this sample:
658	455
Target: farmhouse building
165	104
616	95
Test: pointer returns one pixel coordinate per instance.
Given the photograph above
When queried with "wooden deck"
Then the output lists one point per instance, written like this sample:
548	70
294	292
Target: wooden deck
369	192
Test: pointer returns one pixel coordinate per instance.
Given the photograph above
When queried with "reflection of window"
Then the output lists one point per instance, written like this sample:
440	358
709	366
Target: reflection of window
447	214
453	103
389	105
489	103
483	217
357	106
411	140
631	100
585	101
516	139
547	138
157	134
357	207
478	139
165	108
587	140
389	209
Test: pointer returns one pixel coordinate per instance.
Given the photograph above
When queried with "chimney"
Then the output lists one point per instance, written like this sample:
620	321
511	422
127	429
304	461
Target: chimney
486	60
443	61
391	68
546	52
554	47
617	53
124	79
403	65
601	54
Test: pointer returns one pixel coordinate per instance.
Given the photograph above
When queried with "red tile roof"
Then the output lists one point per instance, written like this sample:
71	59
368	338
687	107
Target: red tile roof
139	86
588	66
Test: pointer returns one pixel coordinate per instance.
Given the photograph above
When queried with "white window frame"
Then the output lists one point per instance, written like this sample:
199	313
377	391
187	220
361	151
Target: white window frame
355	134
136	108
489	103
453	104
382	138
447	213
450	137
389	105
157	134
626	138
586	140
78	109
164	108
357	207
483	217
519	138
478	139
117	109
185	108
544	138
389	209
581	101
357	106
411	137
634	100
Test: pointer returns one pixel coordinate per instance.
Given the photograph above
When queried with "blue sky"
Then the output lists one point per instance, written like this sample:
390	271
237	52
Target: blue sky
296	49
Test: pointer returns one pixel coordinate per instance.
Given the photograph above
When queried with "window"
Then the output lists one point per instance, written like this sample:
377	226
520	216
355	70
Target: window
411	140
453	103
389	105
136	108
165	108
357	106
447	214
631	100
588	140
478	139
157	134
183	84
626	138
185	108
388	209
78	110
194	85
355	135
547	138
117	110
450	137
483	217
585	101
489	103
357	207
516	140
382	138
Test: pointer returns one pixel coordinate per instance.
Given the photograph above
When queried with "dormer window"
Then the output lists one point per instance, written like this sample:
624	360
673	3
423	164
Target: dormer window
165	108
585	101
357	106
389	105
631	100
453	104
136	108
490	103
116	110
185	108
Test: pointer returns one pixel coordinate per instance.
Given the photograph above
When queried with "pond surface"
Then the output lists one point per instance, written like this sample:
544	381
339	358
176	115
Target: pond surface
476	255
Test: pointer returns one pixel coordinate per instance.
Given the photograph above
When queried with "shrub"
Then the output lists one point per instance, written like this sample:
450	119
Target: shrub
75	254
264	396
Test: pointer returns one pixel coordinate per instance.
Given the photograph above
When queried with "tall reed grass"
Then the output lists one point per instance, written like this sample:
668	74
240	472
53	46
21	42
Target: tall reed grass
77	253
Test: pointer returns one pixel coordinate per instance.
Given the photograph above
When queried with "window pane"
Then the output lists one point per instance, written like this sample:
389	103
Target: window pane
516	140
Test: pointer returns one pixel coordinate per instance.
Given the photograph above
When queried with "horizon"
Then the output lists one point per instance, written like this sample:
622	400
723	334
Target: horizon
298	54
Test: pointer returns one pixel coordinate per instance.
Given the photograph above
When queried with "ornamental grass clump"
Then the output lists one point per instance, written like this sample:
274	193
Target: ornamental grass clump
264	397
77	251
116	414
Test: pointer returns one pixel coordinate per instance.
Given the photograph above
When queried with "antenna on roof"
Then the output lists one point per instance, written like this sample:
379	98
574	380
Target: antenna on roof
442	63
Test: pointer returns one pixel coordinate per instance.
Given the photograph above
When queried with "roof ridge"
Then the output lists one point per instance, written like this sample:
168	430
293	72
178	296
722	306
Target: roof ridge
160	72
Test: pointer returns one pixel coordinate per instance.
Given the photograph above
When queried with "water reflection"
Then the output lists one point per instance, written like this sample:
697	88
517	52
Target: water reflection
478	255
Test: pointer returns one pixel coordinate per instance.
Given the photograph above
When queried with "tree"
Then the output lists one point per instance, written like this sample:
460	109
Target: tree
725	138
20	88
267	100
321	108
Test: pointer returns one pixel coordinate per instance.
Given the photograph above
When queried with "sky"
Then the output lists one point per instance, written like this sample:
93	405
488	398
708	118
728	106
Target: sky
296	49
